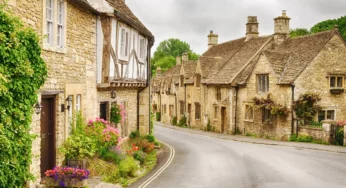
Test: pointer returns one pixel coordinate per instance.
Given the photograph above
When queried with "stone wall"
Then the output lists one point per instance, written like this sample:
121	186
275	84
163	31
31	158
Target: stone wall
316	133
280	128
329	61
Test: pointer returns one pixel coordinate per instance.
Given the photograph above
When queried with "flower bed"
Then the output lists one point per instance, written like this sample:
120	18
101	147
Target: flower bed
66	177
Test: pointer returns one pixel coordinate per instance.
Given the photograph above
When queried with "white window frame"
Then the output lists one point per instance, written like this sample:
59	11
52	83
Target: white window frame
124	45
336	78
49	22
141	49
60	23
249	108
78	102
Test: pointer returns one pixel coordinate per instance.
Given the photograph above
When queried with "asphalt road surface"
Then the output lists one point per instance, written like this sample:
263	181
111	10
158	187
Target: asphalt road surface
202	161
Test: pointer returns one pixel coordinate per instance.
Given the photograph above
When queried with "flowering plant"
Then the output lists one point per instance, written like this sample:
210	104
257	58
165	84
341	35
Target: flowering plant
341	123
61	174
117	113
110	135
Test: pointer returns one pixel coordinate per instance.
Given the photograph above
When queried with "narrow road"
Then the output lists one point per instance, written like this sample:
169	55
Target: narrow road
202	161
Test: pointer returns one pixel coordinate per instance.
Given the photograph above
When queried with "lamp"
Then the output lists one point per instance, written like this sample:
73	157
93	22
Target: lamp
69	104
113	94
37	108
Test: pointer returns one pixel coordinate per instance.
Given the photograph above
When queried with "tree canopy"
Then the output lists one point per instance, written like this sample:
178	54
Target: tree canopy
166	53
322	26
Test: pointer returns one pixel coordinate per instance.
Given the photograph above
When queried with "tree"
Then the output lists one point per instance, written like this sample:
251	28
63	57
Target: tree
22	73
322	26
166	53
299	32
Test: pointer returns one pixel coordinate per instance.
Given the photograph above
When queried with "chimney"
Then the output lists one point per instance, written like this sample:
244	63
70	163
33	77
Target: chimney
178	60
251	27
281	28
213	39
158	71
185	56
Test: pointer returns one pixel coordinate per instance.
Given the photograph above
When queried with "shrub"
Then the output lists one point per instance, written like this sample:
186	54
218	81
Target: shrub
174	120
182	122
134	134
150	138
108	171
22	73
209	128
158	116
301	138
140	156
146	146
78	146
128	167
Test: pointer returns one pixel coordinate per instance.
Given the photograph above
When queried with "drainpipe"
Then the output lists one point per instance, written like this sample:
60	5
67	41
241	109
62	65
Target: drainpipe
148	84
292	113
185	99
235	110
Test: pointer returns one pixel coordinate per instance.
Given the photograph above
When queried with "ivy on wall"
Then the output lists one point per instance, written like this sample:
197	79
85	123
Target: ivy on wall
306	106
22	72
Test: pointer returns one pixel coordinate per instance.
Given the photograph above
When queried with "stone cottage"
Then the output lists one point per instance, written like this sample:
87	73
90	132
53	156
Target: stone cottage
230	75
91	47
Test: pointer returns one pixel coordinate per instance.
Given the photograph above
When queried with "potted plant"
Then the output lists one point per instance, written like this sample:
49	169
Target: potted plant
66	177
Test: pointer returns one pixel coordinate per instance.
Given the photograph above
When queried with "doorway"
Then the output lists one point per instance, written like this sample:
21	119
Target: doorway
48	156
189	112
103	110
223	119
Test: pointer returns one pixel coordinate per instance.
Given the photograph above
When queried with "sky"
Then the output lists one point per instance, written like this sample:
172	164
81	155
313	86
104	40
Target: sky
192	20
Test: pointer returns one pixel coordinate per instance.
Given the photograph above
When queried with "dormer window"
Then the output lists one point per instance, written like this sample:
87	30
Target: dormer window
336	84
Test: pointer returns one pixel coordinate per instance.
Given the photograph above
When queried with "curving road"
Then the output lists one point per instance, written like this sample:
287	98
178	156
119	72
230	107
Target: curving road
202	161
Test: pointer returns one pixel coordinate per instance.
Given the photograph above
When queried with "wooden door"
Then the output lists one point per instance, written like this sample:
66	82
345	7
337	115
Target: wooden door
223	119
47	134
189	111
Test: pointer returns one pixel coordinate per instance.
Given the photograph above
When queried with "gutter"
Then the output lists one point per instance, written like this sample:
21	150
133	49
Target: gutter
235	110
292	113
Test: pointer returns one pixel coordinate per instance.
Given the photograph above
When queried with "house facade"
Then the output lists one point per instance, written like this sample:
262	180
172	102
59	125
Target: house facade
74	47
275	68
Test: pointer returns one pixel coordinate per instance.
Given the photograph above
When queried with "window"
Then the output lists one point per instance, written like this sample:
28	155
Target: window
49	21
181	81
249	112
60	23
103	110
124	43
197	111
216	109
263	83
218	93
182	107
336	82
326	114
141	49
78	103
266	116
198	80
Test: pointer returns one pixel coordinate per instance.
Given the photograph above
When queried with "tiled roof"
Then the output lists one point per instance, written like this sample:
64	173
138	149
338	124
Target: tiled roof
210	66
189	68
225	50
238	60
121	7
291	57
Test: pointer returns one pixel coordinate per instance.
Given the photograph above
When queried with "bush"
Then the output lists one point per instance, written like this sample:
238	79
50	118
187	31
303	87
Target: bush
150	138
182	122
140	156
146	146
78	146
158	116
174	120
117	113
134	134
128	167
301	138
209	128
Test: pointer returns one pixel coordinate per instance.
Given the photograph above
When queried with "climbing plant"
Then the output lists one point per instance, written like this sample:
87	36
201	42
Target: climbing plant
306	106
268	103
22	72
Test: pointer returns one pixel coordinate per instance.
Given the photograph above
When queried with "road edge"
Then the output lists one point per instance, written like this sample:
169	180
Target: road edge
192	131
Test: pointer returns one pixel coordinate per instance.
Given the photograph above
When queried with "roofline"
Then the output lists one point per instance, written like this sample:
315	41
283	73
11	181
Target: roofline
136	26
84	5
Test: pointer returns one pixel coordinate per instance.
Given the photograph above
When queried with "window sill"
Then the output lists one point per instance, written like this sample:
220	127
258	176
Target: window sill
267	123
47	47
247	120
216	120
198	119
336	90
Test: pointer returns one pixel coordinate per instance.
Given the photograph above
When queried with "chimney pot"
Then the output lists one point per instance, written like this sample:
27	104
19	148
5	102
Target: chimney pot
281	28
178	60
251	27
283	12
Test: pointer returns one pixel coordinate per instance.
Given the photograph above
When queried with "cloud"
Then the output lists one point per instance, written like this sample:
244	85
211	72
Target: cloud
191	20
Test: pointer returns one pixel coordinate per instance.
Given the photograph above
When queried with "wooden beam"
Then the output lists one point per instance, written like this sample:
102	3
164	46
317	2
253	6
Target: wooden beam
106	23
